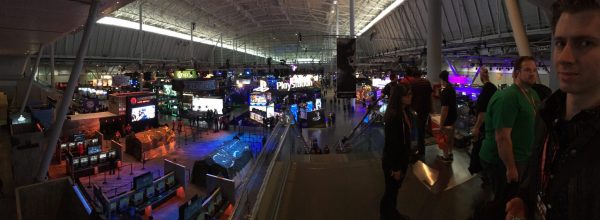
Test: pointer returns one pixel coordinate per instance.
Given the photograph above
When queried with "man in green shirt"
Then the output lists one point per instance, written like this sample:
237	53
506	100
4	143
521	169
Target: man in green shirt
509	128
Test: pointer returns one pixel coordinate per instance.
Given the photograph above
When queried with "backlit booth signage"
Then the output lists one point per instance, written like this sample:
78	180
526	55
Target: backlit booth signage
297	81
205	104
185	74
194	86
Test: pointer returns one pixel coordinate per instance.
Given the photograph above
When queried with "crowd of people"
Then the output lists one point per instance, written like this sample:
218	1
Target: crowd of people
534	149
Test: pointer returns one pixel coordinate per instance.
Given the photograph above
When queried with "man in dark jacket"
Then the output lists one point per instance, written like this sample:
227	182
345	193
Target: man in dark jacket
564	176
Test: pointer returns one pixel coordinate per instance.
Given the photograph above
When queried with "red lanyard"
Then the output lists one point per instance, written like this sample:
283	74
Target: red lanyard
544	175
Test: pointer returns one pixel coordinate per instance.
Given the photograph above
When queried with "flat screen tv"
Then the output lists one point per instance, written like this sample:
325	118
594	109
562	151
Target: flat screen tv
63	146
112	154
160	186
143	113
75	162
150	192
95	141
123	203
93	159
142	181
83	161
93	149
171	181
138	197
72	146
102	157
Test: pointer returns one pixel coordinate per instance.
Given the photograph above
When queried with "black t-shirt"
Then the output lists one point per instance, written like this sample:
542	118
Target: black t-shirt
486	94
448	98
421	90
388	88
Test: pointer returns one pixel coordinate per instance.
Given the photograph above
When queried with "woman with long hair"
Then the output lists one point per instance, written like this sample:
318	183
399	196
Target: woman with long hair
396	152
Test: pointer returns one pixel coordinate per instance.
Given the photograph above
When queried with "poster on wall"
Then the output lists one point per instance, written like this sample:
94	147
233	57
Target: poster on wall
346	80
316	119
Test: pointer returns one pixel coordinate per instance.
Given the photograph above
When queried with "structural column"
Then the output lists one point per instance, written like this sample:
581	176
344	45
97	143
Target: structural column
434	40
516	23
351	19
33	76
52	65
63	107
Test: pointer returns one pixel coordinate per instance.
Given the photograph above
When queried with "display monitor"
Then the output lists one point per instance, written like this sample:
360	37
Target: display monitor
205	104
113	206
150	192
72	146
123	203
160	186
93	159
75	162
142	181
63	146
93	149
138	197
112	154
102	157
80	144
83	161
171	181
258	99
95	141
143	113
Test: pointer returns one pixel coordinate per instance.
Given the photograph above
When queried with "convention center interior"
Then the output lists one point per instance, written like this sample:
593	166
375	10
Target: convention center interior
228	109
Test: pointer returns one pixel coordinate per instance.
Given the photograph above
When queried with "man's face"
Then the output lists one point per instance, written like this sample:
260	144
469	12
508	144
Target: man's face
577	52
527	75
484	74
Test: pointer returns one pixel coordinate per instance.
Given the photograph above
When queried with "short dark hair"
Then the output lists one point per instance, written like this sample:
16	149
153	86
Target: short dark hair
571	6
519	62
444	76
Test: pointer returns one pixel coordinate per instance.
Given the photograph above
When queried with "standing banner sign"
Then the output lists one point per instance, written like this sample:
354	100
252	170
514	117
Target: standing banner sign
346	80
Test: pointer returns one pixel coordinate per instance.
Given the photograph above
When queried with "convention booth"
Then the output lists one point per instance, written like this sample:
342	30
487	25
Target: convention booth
150	144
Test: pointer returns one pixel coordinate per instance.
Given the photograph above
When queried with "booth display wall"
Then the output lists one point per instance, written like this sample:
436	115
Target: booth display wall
55	199
71	127
179	171
27	147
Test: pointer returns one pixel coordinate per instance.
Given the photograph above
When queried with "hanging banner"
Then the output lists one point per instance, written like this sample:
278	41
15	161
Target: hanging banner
196	86
346	80
120	80
316	119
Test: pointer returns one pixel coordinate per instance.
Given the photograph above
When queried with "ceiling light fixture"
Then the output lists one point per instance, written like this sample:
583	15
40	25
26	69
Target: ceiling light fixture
381	15
148	28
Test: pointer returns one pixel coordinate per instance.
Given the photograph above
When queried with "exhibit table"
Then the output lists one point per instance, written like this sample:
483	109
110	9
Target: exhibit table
151	144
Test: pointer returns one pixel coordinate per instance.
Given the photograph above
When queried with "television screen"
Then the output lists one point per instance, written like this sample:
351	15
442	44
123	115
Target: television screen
72	146
143	113
138	197
258	99
160	186
204	104
76	162
80	143
112	154
113	206
83	162
150	192
95	141
102	157
63	146
171	181
123	203
142	181
93	159
93	149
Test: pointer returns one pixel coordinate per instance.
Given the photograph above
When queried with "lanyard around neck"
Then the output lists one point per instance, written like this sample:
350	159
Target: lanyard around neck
529	98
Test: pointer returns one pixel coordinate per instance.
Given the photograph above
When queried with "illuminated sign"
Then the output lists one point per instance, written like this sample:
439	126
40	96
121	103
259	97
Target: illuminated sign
297	81
141	100
263	87
185	74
